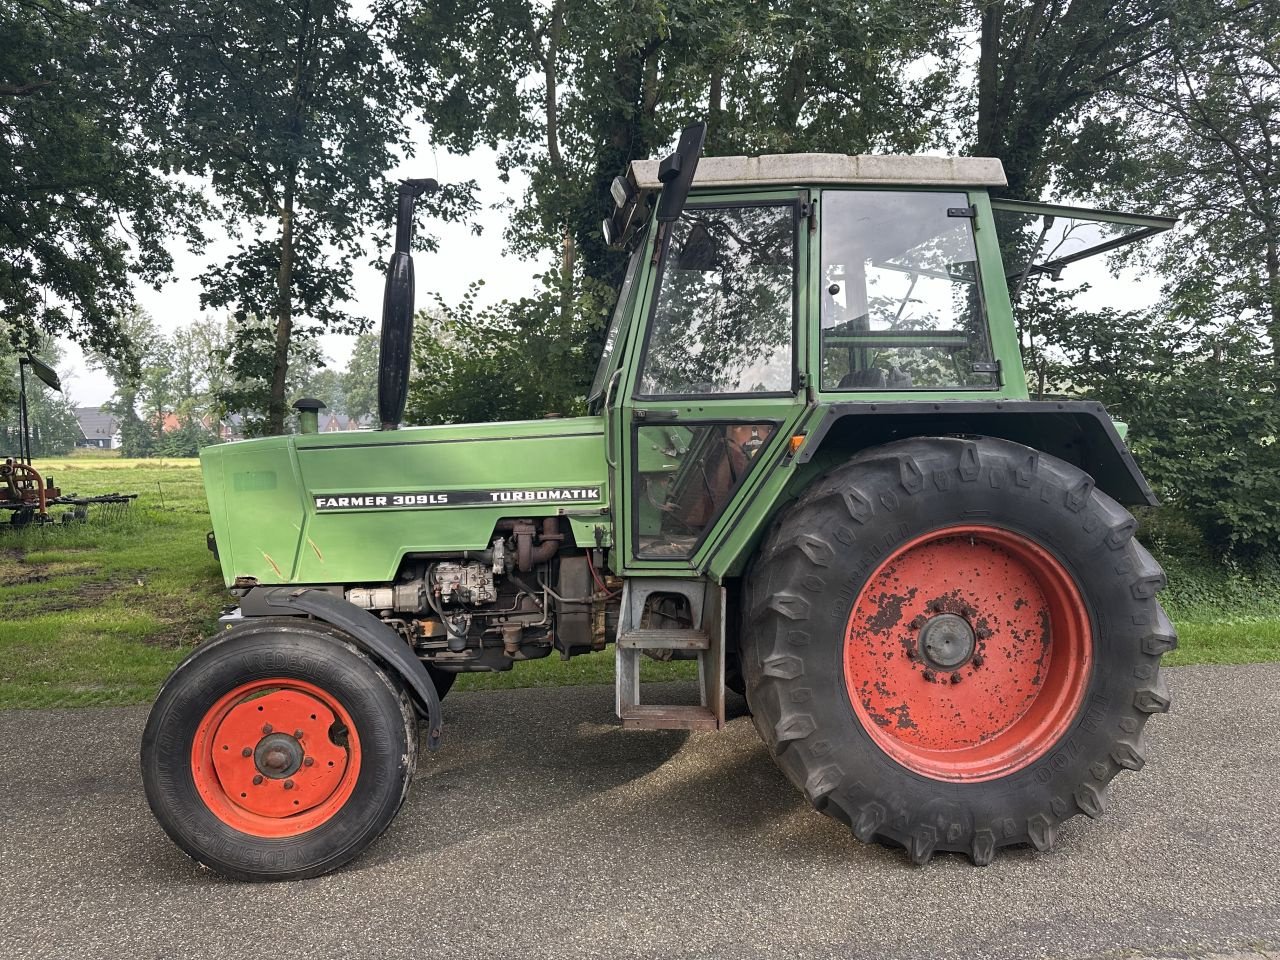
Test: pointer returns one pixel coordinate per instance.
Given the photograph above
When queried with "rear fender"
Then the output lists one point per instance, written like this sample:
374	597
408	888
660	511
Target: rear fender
1079	432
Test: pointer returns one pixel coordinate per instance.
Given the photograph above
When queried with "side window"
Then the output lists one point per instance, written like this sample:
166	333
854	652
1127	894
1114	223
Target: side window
724	318
618	323
901	304
685	474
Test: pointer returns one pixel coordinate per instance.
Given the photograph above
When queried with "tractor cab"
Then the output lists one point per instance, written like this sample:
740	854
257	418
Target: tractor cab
780	294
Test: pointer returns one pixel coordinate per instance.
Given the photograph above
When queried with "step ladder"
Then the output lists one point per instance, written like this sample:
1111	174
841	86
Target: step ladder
706	636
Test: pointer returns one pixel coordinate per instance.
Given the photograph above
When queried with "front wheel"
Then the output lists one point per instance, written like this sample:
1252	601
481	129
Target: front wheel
954	645
278	751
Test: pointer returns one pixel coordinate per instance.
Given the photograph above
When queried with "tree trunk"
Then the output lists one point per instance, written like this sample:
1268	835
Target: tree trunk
551	103
1273	295
567	251
284	317
986	141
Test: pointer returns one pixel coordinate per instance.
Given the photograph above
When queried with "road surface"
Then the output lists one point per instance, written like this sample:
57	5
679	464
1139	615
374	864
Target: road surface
542	830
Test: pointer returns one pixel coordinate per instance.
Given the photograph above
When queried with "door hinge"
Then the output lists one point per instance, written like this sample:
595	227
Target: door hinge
986	366
809	211
970	212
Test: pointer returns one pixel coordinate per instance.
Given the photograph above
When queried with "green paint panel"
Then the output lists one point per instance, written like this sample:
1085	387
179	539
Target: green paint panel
271	530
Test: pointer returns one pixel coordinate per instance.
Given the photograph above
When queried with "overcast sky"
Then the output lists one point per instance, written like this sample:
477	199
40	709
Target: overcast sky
462	258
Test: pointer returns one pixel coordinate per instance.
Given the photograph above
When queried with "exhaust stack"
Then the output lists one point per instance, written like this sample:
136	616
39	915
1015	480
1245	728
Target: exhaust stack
397	310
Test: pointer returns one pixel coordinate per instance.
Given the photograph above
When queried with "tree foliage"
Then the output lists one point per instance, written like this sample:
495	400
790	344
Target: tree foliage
84	203
572	91
1203	415
54	429
516	361
291	110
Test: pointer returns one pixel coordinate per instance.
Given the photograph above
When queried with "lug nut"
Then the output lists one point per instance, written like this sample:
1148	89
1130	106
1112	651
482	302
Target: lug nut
928	675
267	728
288	784
977	659
308	761
297	734
247	752
955	678
257	779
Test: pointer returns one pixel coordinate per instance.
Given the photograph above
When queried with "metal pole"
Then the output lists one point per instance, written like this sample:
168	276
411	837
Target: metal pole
24	423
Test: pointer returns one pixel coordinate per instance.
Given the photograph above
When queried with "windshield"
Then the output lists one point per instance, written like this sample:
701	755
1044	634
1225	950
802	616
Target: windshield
617	324
725	312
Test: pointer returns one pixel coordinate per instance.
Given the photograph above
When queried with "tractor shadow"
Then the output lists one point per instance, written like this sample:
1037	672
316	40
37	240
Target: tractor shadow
517	763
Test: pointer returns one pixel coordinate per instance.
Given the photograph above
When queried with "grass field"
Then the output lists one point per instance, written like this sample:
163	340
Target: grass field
99	612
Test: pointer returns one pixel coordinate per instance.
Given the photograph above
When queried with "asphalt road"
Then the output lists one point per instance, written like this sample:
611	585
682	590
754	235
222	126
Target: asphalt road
542	830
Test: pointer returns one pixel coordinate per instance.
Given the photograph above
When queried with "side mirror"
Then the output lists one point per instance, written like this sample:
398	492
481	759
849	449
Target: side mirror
676	172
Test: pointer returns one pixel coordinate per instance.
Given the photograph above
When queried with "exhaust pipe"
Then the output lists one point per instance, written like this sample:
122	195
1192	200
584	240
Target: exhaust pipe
397	310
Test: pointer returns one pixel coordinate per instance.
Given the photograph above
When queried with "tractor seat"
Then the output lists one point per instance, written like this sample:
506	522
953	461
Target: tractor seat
872	378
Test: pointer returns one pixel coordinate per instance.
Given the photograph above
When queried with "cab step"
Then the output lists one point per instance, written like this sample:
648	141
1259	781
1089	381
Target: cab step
665	640
705	637
648	716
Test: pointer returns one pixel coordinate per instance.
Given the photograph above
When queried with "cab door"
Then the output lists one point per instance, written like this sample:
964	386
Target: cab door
713	386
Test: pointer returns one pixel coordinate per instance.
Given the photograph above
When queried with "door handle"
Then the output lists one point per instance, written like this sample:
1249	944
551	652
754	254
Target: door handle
654	414
608	420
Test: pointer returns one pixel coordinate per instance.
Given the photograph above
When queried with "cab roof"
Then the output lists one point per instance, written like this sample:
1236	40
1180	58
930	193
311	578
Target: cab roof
833	168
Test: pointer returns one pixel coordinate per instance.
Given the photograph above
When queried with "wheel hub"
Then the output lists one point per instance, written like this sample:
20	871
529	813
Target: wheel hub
278	756
947	641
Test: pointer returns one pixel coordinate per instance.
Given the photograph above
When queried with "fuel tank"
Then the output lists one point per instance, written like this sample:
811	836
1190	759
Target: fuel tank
347	507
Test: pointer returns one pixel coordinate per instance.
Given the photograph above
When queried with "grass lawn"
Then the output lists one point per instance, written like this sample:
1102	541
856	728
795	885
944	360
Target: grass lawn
99	612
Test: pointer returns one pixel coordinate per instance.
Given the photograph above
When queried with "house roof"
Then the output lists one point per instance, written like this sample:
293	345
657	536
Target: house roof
95	424
833	168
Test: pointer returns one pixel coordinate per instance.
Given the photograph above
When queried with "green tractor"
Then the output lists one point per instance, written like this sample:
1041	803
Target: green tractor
811	464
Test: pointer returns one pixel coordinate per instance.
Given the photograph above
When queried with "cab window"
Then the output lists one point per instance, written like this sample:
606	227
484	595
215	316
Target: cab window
901	303
724	314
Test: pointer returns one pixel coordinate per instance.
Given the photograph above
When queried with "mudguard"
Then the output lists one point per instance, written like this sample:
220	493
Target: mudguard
368	632
1077	431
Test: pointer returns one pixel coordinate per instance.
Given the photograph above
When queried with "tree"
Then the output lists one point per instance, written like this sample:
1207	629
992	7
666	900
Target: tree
508	361
325	385
1205	142
360	379
290	108
140	374
1202	410
574	90
83	202
249	389
52	419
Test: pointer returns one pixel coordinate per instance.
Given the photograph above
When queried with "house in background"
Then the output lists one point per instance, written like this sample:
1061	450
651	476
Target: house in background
97	428
232	428
337	422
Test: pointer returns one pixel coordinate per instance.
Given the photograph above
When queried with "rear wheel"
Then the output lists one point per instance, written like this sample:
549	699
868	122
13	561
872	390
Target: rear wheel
954	645
278	751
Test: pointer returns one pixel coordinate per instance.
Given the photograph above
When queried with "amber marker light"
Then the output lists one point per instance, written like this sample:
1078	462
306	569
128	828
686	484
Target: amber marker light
796	442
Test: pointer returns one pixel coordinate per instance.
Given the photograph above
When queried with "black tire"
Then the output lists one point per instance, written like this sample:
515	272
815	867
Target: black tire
310	653
805	581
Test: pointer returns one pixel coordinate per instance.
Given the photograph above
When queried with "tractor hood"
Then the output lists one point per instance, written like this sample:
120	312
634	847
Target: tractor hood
347	507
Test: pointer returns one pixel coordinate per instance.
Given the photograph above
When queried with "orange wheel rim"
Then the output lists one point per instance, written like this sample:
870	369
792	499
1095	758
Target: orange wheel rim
968	653
275	758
